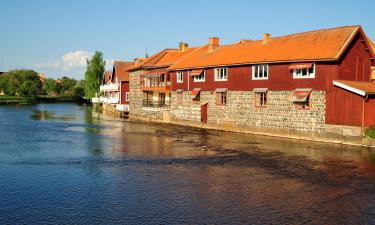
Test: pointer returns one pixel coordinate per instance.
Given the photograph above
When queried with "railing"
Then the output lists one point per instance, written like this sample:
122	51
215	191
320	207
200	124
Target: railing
156	104
95	100
109	87
154	83
109	100
123	108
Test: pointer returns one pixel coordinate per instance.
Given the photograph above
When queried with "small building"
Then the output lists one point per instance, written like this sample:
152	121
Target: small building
114	88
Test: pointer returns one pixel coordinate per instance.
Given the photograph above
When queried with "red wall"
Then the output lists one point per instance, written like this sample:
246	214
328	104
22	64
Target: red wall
124	87
344	107
280	77
370	111
355	63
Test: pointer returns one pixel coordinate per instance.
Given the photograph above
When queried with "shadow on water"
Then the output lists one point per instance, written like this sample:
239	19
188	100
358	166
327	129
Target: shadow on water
50	115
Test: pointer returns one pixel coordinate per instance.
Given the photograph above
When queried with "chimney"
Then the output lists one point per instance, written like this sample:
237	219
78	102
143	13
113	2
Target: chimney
182	46
213	43
138	61
266	37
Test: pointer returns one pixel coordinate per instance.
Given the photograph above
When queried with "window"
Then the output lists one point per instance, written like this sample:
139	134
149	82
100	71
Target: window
127	96
180	78
179	98
200	77
303	105
261	99
221	98
197	98
260	72
304	73
221	74
301	98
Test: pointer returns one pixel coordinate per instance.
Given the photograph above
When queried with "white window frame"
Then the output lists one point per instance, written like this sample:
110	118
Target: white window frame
180	77
260	75
127	96
200	80
308	76
217	72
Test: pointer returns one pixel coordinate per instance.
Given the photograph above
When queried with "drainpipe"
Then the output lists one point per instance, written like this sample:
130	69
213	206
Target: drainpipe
120	95
188	80
363	114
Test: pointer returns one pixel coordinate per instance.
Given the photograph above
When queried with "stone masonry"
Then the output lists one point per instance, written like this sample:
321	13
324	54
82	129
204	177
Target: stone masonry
136	109
281	113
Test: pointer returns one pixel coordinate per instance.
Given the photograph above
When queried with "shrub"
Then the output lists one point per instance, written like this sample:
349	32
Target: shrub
371	131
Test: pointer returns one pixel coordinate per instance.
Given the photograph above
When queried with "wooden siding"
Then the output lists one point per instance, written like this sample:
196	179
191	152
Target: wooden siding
355	63
124	87
280	77
370	111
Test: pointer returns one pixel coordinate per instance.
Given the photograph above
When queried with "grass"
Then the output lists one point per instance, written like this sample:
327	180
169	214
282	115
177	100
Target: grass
371	131
4	100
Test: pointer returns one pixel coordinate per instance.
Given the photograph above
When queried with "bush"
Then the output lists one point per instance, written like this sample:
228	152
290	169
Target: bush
371	131
20	83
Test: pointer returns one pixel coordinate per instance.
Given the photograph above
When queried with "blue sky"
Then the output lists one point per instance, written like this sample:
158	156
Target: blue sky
55	37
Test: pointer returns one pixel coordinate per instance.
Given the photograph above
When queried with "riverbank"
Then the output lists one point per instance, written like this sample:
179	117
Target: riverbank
6	100
345	135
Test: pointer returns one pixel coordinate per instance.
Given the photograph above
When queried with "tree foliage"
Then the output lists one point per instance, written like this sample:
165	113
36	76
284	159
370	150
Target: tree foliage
67	86
93	75
51	87
21	83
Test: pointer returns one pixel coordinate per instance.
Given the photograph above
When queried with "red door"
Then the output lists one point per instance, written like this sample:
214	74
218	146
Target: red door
204	113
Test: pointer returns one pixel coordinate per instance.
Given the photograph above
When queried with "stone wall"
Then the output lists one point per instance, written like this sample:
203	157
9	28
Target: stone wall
136	109
239	111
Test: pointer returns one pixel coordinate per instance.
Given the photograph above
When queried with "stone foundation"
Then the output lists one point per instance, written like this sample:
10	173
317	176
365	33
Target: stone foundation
281	113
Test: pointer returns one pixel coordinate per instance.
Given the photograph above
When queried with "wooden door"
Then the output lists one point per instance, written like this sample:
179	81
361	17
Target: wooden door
204	109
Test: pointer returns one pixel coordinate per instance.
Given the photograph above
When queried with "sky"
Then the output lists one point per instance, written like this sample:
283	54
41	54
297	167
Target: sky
55	37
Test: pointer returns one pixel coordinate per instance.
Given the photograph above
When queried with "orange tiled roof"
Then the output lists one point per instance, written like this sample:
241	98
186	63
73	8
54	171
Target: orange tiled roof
359	87
372	45
164	58
319	45
121	69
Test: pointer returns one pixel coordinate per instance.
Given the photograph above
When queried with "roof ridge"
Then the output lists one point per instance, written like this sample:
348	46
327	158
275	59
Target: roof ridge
288	35
187	55
319	30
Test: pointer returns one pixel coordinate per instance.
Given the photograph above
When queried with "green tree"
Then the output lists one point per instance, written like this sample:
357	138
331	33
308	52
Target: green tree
21	83
93	75
51	87
67	86
79	90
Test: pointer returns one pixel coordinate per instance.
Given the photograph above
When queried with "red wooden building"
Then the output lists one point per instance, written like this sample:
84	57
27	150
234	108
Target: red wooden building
337	64
115	86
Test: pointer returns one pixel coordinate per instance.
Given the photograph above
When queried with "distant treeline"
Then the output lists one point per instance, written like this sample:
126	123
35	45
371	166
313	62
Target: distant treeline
28	83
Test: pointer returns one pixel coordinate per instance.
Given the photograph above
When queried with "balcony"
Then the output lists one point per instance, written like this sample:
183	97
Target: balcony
122	108
156	104
109	87
155	82
107	100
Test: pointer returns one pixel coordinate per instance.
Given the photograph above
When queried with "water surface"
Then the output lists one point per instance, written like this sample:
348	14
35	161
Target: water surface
61	165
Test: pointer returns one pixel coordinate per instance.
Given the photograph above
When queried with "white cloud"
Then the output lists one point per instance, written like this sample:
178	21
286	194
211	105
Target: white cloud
71	64
69	61
75	59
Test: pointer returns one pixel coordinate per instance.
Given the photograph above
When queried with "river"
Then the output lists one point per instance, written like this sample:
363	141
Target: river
59	164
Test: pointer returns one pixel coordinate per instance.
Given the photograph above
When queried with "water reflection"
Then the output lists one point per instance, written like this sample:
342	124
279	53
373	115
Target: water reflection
93	170
50	115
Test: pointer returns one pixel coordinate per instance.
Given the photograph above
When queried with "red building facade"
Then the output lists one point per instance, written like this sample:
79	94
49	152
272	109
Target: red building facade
313	61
